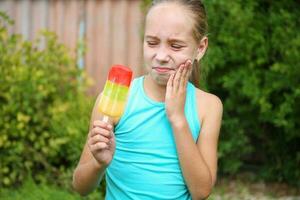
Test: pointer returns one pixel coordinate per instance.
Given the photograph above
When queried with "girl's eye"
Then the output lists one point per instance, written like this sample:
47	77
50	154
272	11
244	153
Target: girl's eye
176	47
151	43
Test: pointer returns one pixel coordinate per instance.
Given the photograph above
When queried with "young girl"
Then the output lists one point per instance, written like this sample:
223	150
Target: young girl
165	144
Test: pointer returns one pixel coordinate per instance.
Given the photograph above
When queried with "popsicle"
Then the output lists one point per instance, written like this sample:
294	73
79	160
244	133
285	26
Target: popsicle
114	95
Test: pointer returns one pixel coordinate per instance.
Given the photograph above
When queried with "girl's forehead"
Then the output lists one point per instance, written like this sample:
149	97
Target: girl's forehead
170	19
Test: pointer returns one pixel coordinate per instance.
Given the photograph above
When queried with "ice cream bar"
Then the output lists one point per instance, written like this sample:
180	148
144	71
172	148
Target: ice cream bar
114	95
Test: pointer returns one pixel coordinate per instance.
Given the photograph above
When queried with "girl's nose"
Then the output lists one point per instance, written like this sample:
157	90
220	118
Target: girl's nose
162	55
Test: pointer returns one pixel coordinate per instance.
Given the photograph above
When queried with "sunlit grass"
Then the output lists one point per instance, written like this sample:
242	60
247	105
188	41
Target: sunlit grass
33	191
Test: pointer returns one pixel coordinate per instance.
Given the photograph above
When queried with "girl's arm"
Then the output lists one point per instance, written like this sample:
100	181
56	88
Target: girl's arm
88	173
96	155
198	161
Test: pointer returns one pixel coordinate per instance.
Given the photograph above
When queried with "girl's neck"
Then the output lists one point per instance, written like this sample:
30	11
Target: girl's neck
153	90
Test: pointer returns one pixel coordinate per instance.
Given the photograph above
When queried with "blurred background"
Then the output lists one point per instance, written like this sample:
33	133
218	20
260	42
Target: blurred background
110	30
54	59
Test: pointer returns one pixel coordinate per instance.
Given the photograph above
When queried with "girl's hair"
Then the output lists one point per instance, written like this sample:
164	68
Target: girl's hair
198	13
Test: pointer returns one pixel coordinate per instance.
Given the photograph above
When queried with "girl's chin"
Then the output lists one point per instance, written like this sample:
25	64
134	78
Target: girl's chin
160	79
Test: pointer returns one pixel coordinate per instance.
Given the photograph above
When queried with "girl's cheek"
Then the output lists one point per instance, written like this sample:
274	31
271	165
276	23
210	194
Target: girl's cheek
147	54
183	58
149	51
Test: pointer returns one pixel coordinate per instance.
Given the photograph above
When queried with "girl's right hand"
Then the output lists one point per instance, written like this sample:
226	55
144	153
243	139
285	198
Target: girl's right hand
101	142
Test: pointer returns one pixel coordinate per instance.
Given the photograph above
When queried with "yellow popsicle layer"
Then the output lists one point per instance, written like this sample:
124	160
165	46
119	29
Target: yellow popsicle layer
113	99
112	108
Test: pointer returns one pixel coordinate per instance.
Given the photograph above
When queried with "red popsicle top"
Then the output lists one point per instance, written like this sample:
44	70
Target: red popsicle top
120	74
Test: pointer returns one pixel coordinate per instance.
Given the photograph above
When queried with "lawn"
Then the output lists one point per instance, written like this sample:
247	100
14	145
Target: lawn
32	191
224	190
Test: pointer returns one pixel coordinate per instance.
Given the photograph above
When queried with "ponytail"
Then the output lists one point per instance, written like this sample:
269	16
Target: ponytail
195	76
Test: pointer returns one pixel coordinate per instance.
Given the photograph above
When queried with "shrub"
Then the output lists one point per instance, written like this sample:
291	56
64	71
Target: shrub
44	113
253	65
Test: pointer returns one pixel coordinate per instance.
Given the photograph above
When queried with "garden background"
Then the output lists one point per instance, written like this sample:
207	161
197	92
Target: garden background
52	70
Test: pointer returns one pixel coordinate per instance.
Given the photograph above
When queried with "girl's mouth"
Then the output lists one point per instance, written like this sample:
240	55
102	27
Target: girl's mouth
163	69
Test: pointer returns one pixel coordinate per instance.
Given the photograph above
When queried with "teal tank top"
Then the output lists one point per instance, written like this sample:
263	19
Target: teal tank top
145	164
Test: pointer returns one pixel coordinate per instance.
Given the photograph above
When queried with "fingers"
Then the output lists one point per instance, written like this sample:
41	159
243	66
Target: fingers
181	76
100	139
177	78
98	146
100	131
102	124
185	74
170	86
100	136
170	81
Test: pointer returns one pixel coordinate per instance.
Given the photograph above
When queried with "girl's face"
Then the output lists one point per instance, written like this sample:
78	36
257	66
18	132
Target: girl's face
168	40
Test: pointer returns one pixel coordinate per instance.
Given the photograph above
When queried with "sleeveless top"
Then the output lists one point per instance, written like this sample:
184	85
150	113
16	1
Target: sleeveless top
145	164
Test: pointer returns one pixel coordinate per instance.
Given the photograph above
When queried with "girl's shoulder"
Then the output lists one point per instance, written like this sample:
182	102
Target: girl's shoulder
204	97
208	103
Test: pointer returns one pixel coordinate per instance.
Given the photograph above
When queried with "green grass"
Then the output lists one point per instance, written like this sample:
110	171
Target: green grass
224	190
32	191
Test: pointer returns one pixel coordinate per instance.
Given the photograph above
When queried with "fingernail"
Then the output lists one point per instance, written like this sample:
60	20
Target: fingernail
109	126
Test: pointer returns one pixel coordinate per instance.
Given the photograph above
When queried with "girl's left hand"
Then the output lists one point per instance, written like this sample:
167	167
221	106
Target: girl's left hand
176	92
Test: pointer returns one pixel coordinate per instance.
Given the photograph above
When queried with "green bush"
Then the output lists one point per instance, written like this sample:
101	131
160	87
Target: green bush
253	65
44	113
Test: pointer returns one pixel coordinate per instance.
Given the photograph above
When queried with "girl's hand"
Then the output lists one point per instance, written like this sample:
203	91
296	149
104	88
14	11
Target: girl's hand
101	142
176	92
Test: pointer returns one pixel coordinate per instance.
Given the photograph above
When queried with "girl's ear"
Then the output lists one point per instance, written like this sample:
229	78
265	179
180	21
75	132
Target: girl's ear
202	48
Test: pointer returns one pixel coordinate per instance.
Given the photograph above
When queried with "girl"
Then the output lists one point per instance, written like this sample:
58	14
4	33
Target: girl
165	144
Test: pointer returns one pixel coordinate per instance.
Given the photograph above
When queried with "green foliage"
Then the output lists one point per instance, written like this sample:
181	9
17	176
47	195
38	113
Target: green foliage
44	113
253	65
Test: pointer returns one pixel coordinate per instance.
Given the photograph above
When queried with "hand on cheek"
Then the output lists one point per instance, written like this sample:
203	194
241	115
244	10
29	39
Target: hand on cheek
176	92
